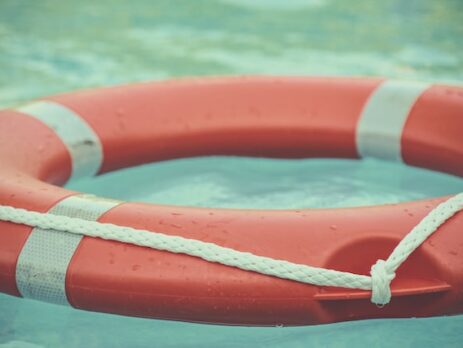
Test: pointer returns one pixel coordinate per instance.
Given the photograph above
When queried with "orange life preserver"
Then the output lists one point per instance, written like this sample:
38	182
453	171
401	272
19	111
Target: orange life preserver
46	142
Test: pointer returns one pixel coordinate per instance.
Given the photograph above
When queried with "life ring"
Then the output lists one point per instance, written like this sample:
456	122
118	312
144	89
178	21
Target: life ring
46	142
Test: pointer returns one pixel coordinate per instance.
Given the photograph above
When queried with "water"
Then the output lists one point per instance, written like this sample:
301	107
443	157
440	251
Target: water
53	46
244	182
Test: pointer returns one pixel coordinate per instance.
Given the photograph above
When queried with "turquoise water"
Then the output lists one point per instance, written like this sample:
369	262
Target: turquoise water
53	46
244	182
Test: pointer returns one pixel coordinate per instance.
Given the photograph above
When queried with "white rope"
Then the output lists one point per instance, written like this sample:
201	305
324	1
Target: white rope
382	272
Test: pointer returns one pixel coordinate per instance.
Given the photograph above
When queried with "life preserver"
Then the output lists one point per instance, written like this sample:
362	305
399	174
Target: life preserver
46	142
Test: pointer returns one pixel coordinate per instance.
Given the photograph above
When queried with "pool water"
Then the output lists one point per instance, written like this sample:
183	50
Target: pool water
53	46
263	183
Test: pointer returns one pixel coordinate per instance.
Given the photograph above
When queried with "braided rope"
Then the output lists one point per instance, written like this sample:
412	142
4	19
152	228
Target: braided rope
382	272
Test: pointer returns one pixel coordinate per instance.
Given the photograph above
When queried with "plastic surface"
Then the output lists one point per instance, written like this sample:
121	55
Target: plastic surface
280	117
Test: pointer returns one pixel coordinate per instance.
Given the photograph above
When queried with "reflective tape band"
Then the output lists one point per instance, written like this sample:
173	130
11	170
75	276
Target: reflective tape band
383	117
82	143
44	260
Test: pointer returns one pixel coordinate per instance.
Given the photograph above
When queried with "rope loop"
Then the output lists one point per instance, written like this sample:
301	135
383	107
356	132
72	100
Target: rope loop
381	277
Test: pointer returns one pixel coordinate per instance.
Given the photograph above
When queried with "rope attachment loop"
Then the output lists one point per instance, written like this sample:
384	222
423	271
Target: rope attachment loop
381	278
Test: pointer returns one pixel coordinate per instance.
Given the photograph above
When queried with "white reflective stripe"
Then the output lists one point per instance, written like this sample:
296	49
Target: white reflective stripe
383	117
44	260
83	144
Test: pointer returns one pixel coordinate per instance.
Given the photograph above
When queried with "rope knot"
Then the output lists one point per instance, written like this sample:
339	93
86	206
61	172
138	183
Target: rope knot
381	278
